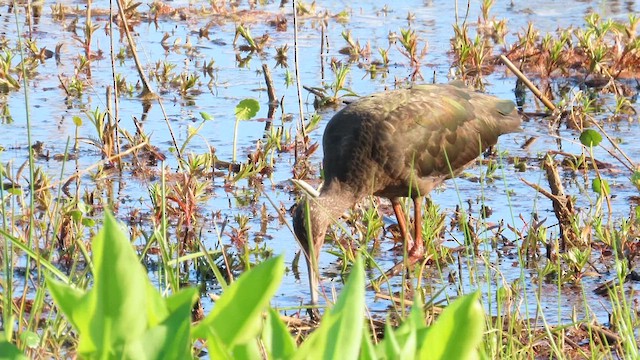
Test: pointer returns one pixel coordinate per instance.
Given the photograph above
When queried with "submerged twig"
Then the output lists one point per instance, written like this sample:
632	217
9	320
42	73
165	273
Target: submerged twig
529	84
147	93
271	92
562	204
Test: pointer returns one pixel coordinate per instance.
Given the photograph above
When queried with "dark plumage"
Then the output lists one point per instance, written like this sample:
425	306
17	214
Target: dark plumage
399	144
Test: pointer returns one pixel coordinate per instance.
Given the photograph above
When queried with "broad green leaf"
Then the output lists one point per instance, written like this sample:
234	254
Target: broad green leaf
409	345
72	302
404	340
416	316
390	347
108	315
217	349
590	138
247	109
247	351
415	321
10	351
119	290
157	307
598	185
178	301
340	332
123	316
236	317
367	350
458	331
276	337
171	338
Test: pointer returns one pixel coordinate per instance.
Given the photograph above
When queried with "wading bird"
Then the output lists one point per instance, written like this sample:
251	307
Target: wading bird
394	144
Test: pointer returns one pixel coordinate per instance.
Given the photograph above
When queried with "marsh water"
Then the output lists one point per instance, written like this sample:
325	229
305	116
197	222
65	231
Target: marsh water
176	38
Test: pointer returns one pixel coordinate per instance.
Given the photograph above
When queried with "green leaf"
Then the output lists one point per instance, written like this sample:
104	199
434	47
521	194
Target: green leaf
237	315
340	332
109	314
76	215
367	350
217	349
14	191
635	179
157	307
123	316
404	340
458	331
118	294
247	351
390	347
247	109
409	344
71	302
31	339
10	351
276	338
205	116
598	185
88	222
170	339
415	321
590	138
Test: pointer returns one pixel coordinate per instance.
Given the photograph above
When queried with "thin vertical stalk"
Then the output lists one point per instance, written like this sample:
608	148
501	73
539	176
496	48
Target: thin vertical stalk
162	239
27	105
7	255
114	113
298	85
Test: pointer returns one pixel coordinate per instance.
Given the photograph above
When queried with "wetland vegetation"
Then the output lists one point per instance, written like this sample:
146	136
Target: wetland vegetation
187	121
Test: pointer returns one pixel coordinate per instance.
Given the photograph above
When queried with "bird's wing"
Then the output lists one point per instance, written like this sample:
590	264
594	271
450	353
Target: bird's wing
440	129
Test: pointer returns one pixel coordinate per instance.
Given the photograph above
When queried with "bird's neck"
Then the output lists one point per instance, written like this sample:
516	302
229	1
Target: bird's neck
335	198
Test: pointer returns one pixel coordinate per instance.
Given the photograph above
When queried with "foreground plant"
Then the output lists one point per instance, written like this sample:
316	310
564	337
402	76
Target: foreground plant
124	316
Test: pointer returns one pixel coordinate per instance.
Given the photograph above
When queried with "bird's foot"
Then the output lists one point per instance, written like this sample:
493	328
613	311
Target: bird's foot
411	260
416	254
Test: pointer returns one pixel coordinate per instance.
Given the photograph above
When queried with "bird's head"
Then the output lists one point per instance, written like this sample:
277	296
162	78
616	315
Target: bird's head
310	220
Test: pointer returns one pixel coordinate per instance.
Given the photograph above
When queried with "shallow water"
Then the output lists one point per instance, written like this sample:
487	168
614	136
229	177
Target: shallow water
369	21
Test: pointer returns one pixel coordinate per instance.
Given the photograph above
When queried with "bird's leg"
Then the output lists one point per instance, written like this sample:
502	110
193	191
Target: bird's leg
415	248
402	221
416	252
